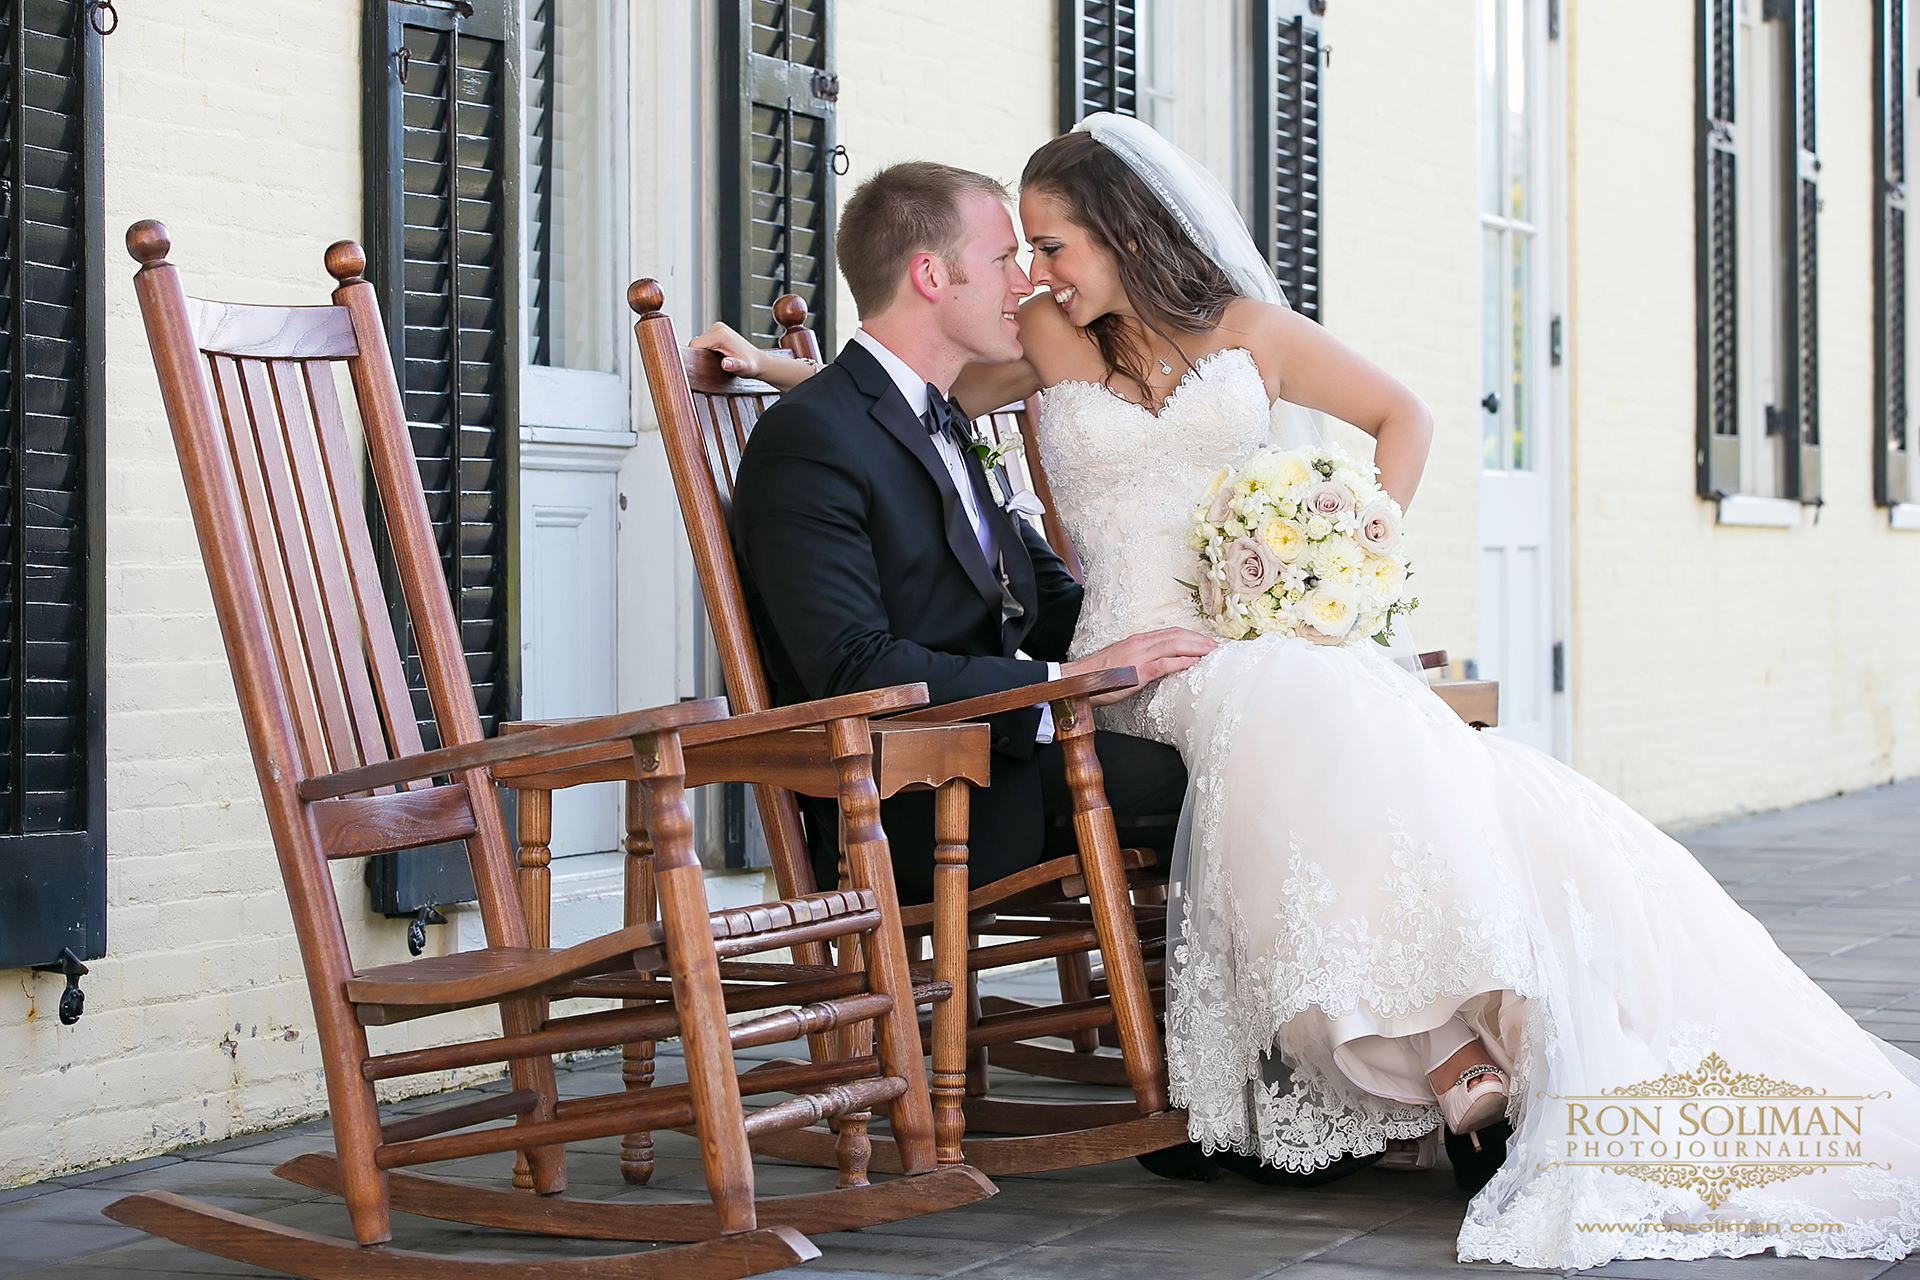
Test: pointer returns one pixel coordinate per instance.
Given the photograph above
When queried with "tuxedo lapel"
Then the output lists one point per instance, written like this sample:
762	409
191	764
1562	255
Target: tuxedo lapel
892	413
1013	554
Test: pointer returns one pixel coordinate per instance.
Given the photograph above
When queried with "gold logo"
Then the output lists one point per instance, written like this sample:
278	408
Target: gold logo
1714	1130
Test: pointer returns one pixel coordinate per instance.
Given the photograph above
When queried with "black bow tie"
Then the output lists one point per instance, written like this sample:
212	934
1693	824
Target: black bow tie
943	415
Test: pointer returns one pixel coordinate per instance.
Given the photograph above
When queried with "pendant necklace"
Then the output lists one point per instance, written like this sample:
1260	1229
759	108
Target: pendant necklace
1165	367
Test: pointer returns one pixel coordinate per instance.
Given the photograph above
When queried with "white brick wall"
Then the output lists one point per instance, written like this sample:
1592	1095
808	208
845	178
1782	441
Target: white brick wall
237	123
1720	669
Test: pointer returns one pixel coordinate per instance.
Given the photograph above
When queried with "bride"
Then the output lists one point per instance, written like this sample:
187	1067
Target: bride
1381	919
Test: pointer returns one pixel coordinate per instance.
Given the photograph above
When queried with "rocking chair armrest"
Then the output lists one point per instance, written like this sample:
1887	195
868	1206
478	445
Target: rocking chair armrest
1027	695
806	715
535	742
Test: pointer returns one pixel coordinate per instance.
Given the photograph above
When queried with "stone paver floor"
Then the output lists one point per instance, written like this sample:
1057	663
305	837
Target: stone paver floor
1837	882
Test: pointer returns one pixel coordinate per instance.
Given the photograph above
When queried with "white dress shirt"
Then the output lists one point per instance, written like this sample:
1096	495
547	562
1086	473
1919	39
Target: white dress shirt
913	388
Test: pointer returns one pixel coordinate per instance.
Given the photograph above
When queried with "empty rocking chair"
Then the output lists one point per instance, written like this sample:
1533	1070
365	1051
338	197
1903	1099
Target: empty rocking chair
274	491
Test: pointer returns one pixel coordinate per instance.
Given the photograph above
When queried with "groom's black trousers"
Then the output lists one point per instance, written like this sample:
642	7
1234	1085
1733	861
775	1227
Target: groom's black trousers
1145	783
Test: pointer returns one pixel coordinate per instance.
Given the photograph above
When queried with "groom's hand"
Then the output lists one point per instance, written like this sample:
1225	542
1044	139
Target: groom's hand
1151	654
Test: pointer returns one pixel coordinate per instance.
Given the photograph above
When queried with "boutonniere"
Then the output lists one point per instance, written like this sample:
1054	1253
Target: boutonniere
992	454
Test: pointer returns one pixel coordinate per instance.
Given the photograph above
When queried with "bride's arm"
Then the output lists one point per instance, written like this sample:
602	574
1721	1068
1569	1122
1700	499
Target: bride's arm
741	358
1317	370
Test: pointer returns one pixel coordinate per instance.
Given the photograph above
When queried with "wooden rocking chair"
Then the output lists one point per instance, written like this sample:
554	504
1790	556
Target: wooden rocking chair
274	491
706	417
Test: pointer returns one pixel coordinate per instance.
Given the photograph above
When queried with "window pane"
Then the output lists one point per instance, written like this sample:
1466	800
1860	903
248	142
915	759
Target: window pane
568	260
1515	116
1154	26
1493	361
1519	404
1490	116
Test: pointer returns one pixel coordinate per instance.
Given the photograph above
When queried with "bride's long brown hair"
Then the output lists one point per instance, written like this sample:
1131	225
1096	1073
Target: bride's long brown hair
1169	281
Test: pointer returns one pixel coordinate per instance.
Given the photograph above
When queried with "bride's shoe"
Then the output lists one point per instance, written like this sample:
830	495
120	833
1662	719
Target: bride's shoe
1412	1155
1477	1099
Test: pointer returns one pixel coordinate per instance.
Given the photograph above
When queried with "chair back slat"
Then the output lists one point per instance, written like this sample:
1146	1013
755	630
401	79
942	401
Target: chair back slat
269	563
279	417
297	333
362	738
393	698
1026	473
706	417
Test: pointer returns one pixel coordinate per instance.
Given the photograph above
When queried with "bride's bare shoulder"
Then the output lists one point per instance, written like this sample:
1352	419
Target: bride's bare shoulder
1057	349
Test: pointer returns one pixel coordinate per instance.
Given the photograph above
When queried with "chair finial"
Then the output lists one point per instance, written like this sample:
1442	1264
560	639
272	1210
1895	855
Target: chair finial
148	242
790	311
346	261
646	297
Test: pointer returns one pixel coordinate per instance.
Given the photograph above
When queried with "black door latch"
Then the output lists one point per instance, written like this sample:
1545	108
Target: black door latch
73	1001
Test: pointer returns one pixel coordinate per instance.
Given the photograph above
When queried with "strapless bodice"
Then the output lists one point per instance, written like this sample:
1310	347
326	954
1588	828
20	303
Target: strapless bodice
1125	482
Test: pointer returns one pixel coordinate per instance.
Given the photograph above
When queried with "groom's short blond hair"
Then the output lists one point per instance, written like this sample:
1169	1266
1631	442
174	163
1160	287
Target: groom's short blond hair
900	211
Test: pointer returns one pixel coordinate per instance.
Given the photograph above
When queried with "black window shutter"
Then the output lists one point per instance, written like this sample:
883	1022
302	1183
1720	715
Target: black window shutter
1097	66
442	187
779	90
1286	148
52	487
1717	456
1891	484
1801	209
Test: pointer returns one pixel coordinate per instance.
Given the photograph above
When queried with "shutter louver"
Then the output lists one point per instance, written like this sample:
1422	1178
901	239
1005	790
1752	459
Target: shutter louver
780	185
1802	209
1286	149
1716	260
442	160
52	586
1891	475
1098	70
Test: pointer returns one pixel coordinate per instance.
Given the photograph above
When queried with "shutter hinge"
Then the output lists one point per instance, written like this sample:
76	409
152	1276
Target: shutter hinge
826	86
1776	420
1318	8
1775	10
1559	666
1553	19
1553	342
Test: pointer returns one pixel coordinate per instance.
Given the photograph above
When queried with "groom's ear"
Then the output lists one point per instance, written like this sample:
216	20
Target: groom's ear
927	275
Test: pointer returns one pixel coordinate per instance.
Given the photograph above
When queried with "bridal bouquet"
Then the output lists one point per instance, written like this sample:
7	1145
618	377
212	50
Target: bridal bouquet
1299	542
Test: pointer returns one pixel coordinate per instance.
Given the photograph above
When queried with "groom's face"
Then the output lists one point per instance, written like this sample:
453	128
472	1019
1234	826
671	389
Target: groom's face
981	313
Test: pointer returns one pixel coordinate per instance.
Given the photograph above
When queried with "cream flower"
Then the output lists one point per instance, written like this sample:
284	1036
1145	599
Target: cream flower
1339	559
1318	527
1291	469
1210	597
1384	577
1285	538
1330	609
1219	507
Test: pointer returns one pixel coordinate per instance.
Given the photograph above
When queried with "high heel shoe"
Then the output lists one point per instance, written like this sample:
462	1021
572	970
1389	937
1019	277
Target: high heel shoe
1417	1154
1477	1099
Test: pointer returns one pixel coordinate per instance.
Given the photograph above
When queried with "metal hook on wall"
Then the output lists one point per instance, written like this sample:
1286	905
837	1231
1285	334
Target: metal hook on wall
108	25
837	158
402	62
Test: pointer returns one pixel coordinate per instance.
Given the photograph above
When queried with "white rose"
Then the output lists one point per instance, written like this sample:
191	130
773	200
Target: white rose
1331	609
1318	527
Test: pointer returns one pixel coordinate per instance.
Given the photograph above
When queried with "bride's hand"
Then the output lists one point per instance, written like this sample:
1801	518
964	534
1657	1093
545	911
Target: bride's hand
744	360
1151	654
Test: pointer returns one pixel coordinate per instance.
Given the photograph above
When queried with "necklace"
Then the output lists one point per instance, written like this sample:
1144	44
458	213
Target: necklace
1165	367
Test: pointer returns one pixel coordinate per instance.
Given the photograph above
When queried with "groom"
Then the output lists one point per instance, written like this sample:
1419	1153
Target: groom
872	551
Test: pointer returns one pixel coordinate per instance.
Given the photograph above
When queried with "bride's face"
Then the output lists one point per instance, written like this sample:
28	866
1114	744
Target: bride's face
1067	260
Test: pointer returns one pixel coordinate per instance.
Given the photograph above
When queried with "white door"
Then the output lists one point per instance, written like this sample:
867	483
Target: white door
1518	334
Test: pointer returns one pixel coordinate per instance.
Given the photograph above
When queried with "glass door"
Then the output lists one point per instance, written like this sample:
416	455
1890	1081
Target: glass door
1517	560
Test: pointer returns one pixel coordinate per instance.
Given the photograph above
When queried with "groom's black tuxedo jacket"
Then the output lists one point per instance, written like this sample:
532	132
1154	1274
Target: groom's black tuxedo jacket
861	570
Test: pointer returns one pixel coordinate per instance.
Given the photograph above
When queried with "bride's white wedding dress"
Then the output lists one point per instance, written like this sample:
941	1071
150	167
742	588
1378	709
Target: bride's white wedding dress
1358	868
